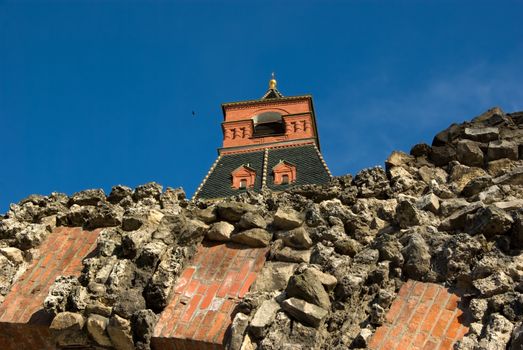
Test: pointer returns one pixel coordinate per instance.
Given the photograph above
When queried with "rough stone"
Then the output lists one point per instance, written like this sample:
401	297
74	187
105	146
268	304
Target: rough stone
252	220
407	215
87	197
461	175
513	177
13	254
97	329
287	219
469	153
288	254
429	202
220	231
66	329
490	221
274	276
297	238
484	134
307	286
417	258
255	237
496	283
263	318
502	149
148	190
120	333
305	312
456	221
233	211
442	155
497	333
238	327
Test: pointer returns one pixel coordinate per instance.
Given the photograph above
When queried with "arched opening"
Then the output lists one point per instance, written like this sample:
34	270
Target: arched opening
268	123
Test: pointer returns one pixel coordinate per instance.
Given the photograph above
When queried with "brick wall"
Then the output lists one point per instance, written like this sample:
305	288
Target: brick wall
423	316
23	322
200	311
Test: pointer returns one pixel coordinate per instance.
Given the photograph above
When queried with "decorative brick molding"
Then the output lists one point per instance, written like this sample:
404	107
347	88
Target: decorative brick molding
423	316
243	177
283	169
23	321
205	295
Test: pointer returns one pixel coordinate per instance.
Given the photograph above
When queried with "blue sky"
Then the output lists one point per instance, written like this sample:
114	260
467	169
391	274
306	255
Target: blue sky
98	93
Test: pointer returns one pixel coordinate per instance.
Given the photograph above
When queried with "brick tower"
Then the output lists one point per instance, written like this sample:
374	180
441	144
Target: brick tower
267	143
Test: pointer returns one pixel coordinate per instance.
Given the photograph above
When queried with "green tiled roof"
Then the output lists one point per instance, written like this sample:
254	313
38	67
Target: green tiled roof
309	170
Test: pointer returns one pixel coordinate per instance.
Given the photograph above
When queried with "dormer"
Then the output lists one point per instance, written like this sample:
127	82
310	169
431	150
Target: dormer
243	177
284	173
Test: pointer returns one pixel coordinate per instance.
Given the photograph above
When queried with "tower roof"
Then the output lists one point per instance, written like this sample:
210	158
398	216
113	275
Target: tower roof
272	92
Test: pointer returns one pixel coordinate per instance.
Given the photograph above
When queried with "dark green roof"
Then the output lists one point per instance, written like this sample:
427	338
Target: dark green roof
309	170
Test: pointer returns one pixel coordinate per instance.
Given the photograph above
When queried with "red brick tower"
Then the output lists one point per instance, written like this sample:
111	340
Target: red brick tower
267	143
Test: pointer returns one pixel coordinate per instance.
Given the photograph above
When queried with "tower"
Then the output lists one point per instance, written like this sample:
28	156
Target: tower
267	143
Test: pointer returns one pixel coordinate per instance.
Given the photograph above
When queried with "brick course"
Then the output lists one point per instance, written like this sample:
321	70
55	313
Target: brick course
199	313
23	321
423	316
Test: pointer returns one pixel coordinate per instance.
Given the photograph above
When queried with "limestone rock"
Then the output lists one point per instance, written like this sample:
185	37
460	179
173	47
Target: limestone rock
442	155
517	337
263	318
307	286
297	238
490	221
238	328
461	175
497	333
304	312
469	153
484	134
328	280
274	276
252	220
148	190
66	329
496	283
120	333
428	174
88	197
220	231
502	149
407	215
255	237
456	221
287	219
417	258
96	327
233	211
288	254
429	202
513	177
118	193
13	254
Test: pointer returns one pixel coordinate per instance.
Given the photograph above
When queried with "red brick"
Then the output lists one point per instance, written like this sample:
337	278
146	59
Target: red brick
431	318
442	324
406	289
408	311
209	295
431	345
226	284
446	344
395	310
452	304
418	289
378	337
191	288
220	320
418	316
247	284
193	304
419	340
431	291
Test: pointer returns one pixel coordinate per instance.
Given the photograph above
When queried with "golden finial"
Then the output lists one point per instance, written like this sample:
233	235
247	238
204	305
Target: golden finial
272	82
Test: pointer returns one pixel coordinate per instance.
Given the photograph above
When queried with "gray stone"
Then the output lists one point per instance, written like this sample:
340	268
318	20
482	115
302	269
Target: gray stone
120	332
118	193
517	337
461	175
502	149
252	220
476	185
407	215
238	328
428	174
456	221
490	221
88	197
513	177
96	327
469	153
328	280
148	190
143	322
287	219
255	237
442	155
288	254
274	276
31	236
307	286
484	134
297	238
429	202
417	258
171	198
233	211
66	329
13	254
207	215
263	318
509	205
220	231
497	333
494	284
305	312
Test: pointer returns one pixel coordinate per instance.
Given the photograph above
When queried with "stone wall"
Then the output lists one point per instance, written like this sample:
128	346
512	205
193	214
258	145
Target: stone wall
448	214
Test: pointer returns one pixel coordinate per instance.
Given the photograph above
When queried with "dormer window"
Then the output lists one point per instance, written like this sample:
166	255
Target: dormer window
284	173
243	177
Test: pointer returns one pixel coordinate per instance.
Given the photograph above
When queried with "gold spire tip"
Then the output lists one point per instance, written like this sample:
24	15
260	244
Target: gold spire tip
272	82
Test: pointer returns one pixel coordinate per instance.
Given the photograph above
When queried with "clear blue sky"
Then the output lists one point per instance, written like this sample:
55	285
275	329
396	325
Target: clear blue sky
98	93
